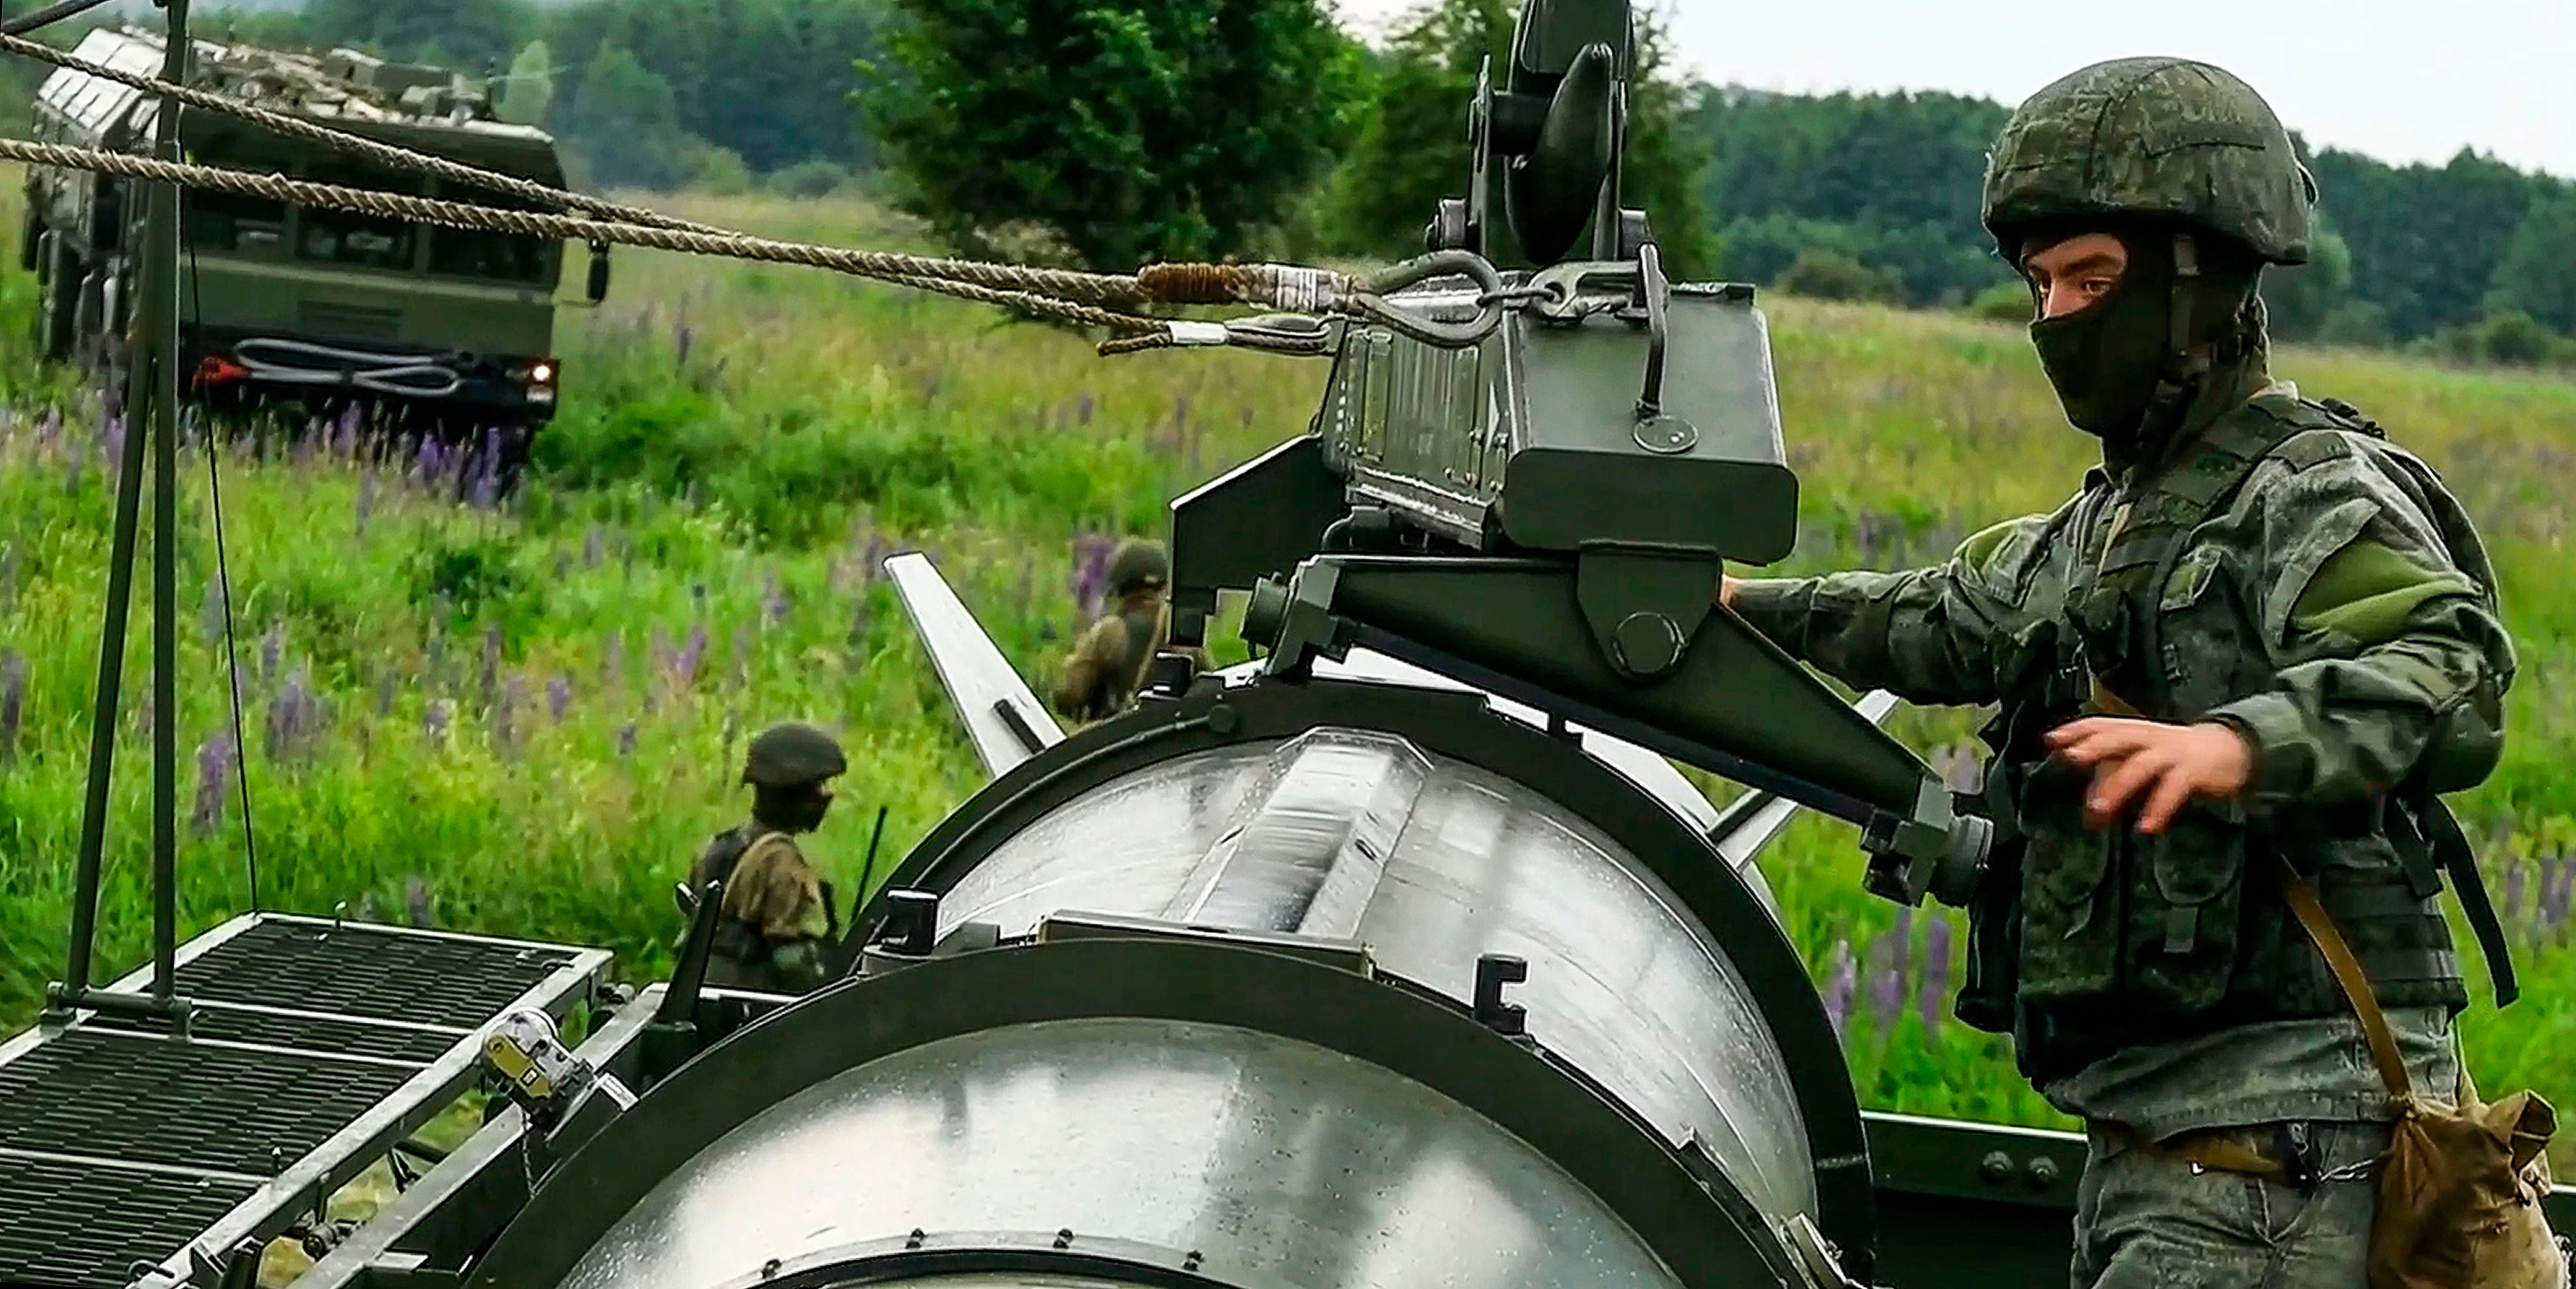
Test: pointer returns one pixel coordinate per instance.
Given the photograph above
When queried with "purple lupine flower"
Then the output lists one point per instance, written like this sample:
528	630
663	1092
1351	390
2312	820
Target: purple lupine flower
416	900
345	442
13	695
859	623
1886	984
1903	934
214	766
692	655
774	600
2559	892
1842	979
112	436
424	464
2544	868
1091	583
51	425
366	499
8	576
612	663
491	662
2514	877
290	715
1932	996
558	696
626	739
681	336
1082	408
434	721
590	548
271	646
387	685
505	716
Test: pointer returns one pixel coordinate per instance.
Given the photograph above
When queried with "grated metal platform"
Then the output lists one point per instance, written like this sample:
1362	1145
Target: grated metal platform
315	1046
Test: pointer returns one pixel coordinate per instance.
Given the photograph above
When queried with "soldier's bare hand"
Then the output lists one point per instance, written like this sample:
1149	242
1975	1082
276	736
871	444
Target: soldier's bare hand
2172	763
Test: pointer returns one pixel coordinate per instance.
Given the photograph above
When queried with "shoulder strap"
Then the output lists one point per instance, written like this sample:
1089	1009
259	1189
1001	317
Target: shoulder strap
2350	978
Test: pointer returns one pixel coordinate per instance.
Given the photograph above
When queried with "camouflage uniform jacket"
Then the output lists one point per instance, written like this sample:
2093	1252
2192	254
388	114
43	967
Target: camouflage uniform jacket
1107	666
775	914
2336	609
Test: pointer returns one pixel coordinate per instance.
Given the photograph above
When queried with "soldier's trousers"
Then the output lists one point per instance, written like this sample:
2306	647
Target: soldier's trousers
2146	1220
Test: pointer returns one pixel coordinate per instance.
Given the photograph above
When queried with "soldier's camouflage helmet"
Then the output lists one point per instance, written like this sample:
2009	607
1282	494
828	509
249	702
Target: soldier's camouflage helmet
791	755
2154	137
1139	562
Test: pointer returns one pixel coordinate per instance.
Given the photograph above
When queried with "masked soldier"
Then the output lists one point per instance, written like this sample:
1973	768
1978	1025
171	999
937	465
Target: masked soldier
777	916
1108	665
2260	641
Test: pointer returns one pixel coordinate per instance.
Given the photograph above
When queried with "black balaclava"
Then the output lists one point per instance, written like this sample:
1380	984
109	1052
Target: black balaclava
796	809
2127	374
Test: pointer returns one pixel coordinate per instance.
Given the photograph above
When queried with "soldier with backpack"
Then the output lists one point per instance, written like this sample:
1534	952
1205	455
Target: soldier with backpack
776	919
1108	665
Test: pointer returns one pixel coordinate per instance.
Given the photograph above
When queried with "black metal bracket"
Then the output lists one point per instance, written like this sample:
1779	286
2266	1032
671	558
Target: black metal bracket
1493	971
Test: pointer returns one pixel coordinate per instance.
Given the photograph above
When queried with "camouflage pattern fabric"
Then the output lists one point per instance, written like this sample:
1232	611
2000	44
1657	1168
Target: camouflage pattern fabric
2146	1220
2151	137
1108	664
773	920
2334	609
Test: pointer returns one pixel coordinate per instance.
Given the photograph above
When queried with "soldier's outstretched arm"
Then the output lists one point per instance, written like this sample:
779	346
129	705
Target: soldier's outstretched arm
2391	659
1927	635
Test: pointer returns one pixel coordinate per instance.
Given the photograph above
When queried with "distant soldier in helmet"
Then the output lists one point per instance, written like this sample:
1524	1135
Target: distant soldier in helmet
1108	666
2235	672
777	917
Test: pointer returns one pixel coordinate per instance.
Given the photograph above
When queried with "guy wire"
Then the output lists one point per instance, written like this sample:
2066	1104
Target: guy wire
223	585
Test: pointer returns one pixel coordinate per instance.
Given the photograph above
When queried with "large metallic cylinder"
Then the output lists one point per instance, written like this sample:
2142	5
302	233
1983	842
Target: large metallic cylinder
1252	1020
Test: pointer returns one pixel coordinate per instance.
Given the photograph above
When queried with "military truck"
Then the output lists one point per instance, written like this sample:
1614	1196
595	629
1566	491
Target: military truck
325	306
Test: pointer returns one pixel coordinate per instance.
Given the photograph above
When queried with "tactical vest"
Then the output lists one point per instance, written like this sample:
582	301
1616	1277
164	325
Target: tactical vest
2084	941
735	939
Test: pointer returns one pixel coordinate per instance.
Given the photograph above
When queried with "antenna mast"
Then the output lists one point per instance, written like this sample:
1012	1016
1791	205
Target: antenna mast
151	415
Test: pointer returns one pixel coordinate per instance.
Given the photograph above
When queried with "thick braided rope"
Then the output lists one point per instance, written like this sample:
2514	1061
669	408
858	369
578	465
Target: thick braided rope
1066	286
388	154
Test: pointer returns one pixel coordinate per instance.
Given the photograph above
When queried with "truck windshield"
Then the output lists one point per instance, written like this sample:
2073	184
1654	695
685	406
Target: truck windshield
363	241
502	256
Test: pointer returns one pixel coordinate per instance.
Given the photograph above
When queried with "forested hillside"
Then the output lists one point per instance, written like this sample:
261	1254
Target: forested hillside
1849	196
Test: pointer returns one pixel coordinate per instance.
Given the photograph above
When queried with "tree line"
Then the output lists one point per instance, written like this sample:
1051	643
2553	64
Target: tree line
1109	133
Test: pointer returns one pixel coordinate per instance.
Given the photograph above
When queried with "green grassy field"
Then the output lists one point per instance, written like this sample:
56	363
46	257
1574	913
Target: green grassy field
525	719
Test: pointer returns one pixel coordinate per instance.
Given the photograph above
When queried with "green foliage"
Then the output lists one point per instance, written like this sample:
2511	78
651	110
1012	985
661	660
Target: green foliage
528	93
1113	135
472	36
1888	180
2301	300
622	126
1832	275
1413	149
2425	240
769	79
2003	302
2538	273
811	179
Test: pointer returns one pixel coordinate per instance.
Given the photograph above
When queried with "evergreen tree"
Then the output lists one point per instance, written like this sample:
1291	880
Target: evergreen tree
1116	133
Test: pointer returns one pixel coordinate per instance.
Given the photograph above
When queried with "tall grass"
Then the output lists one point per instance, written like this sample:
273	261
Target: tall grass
525	718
